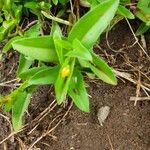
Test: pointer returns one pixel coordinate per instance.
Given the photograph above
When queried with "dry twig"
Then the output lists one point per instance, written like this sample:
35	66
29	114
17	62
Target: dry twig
35	121
137	40
138	87
139	98
50	130
111	145
128	77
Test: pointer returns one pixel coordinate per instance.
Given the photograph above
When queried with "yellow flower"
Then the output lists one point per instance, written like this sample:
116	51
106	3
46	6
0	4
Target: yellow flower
5	99
65	72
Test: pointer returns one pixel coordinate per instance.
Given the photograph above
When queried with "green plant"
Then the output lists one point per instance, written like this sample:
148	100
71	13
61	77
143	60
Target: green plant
10	16
71	58
122	11
143	13
130	10
12	12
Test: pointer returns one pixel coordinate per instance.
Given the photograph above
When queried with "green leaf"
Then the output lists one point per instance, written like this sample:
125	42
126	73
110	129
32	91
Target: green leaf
63	2
19	108
29	73
63	80
8	4
8	45
1	4
11	98
122	10
66	44
78	92
17	9
58	46
39	48
24	65
88	29
55	28
45	5
144	5
79	51
9	24
32	5
125	2
7	101
143	16
45	76
34	31
102	70
6	27
142	29
1	19
3	33
55	2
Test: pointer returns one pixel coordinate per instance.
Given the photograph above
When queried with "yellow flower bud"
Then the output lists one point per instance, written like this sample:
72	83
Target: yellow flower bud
5	99
65	71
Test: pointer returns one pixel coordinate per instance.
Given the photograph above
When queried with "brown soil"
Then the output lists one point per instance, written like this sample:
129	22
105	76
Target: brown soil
127	126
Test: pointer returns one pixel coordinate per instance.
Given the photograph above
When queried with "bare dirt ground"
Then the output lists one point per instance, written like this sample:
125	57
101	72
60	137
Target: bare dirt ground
127	126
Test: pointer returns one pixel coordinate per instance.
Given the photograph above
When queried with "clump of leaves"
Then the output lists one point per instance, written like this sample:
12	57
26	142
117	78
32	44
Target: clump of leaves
128	9
122	11
11	12
143	13
71	57
10	16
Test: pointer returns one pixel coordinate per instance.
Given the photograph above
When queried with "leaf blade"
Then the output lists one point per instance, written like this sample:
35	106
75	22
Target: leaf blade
39	48
102	70
122	10
19	108
77	91
79	51
45	76
88	31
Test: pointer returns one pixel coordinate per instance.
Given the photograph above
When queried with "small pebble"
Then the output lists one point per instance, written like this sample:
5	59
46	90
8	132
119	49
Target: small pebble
102	114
